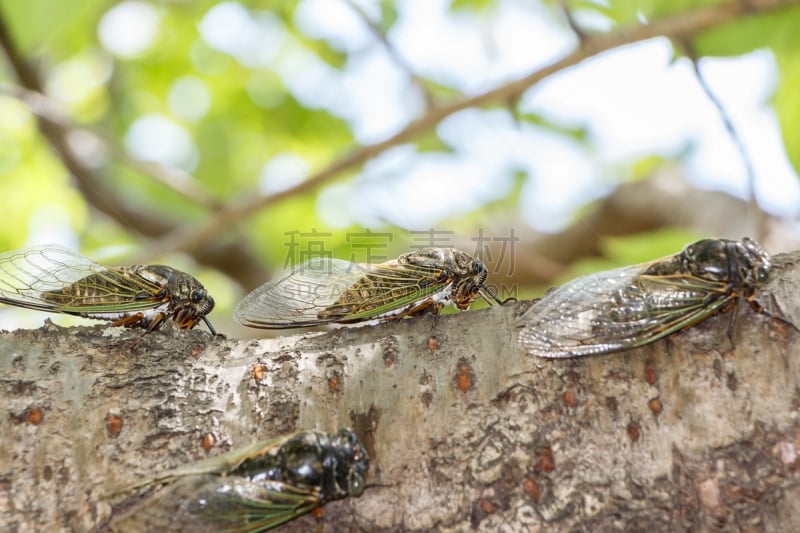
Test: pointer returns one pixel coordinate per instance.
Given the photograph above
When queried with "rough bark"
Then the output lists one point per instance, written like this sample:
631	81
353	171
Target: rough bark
696	432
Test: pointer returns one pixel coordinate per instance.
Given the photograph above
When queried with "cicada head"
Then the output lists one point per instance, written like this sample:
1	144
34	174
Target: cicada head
189	300
334	466
742	263
467	287
759	261
467	274
352	463
470	276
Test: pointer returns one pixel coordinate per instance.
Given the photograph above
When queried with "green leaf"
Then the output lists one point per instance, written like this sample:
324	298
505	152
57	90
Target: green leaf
322	49
787	105
751	33
388	15
577	133
59	28
472	5
633	249
431	142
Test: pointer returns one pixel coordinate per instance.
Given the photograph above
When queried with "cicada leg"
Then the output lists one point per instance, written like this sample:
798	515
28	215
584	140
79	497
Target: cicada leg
758	308
185	318
155	322
318	514
129	321
425	306
138	320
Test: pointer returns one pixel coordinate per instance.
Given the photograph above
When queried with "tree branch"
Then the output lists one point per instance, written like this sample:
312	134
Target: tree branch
463	429
678	27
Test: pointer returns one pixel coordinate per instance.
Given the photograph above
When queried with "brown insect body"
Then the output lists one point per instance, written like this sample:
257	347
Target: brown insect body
326	290
54	279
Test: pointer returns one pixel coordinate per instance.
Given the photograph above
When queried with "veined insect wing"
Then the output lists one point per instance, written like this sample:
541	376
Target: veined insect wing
55	279
568	321
295	298
27	274
631	306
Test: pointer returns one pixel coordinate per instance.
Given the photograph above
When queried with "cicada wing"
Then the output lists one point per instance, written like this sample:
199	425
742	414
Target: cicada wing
170	507
332	290
242	505
617	310
208	502
51	278
295	298
26	274
219	464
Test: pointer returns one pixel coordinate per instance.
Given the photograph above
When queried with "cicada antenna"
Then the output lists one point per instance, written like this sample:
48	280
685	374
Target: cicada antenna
210	327
484	290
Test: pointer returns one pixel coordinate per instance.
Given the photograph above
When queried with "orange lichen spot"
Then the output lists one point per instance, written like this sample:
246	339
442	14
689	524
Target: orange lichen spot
655	406
569	398
258	372
633	431
531	488
650	375
208	441
389	350
113	424
34	416
544	459
333	383
196	351
463	378
433	344
488	507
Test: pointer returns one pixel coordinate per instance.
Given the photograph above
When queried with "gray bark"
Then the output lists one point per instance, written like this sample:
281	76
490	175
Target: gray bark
464	430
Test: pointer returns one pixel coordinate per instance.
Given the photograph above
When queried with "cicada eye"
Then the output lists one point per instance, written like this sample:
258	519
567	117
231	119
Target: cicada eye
355	484
476	266
762	273
198	295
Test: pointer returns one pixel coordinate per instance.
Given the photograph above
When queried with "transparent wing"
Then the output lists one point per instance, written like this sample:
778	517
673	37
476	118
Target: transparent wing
202	496
618	310
242	505
332	290
220	504
51	278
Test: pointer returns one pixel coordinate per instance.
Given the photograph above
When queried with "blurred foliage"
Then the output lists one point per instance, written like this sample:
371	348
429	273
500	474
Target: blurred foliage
253	118
632	250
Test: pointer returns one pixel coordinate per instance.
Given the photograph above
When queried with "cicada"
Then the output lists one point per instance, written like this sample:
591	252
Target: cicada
326	290
253	488
632	306
54	279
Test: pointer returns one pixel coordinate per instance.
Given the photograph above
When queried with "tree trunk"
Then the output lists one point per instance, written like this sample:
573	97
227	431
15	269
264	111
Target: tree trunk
464	431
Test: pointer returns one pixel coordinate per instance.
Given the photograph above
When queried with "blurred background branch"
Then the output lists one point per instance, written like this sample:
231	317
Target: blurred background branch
550	138
681	27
